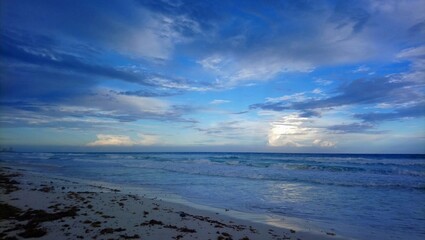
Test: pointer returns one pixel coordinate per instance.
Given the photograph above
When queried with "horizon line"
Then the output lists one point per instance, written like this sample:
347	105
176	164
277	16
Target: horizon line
212	152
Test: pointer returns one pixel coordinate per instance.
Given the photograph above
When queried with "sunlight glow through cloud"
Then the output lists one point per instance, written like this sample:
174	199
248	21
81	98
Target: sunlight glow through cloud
121	140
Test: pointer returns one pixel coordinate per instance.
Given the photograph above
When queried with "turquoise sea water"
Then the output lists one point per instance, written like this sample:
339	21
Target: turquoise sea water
358	196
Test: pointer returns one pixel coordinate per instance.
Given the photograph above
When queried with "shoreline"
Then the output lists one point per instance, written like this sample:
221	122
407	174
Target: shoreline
60	208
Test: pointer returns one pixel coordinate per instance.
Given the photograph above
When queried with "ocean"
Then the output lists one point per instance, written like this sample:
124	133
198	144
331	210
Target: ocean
359	196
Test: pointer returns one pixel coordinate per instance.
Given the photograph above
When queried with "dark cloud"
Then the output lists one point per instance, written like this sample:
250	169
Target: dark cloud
417	32
353	128
417	110
46	82
357	92
149	93
347	12
94	111
418	29
362	91
41	54
310	113
242	112
44	65
267	37
229	129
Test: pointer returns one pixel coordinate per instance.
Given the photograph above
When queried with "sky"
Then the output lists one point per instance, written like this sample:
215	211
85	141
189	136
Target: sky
162	75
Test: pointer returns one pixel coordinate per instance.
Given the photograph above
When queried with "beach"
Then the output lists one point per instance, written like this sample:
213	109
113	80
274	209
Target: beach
43	207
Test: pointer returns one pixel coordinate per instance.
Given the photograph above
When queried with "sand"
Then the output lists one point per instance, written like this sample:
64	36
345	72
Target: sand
43	207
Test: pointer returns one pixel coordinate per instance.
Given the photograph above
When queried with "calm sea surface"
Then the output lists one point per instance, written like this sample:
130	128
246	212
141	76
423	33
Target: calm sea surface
358	196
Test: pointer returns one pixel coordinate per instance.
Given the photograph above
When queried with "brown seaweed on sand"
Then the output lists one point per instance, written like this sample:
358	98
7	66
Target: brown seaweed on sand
34	219
7	183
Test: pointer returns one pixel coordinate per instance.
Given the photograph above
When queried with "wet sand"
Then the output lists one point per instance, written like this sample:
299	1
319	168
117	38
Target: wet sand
43	207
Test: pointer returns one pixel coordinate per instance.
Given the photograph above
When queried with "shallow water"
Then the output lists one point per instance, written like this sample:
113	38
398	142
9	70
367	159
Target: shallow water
358	196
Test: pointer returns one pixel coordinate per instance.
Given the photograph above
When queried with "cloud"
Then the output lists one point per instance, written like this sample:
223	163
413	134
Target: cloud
97	109
237	49
198	15
227	129
117	65
47	56
361	69
148	93
317	91
322	82
414	111
122	140
332	35
37	54
242	131
214	63
295	131
412	53
394	97
357	92
219	101
362	91
287	132
260	66
124	105
147	139
112	140
353	128
128	28
293	97
323	143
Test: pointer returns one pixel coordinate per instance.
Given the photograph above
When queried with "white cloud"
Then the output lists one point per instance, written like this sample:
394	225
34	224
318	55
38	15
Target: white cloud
232	70
296	97
323	143
123	140
289	131
323	82
147	139
214	62
384	105
258	66
261	66
111	140
295	131
350	35
116	105
361	69
151	35
317	91
411	53
416	56
219	101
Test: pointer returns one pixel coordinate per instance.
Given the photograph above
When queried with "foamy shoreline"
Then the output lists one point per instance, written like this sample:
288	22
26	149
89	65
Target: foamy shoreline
59	208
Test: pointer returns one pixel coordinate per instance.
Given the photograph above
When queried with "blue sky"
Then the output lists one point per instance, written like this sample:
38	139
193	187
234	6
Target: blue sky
278	76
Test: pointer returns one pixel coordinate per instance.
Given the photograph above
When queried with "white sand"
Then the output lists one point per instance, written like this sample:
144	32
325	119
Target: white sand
104	213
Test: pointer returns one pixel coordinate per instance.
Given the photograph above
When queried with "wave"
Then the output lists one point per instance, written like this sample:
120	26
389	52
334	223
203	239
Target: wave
313	170
338	176
324	168
226	157
198	163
